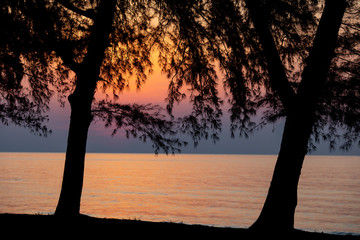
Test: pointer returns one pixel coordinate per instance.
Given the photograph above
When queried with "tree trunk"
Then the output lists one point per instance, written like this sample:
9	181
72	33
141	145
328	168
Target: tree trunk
69	202
279	207
81	117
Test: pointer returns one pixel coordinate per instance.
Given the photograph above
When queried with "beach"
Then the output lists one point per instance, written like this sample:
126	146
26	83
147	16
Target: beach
49	226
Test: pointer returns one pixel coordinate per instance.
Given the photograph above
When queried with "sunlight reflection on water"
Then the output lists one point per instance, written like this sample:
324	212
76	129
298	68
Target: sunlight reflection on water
218	190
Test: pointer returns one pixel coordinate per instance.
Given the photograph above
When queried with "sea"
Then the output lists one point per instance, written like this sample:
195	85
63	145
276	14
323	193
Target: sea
214	190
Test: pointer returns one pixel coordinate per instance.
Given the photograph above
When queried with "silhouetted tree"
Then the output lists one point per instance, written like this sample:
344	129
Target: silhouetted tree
77	48
278	58
300	107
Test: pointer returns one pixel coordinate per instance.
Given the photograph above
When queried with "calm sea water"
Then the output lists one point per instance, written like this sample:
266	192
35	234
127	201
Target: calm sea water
217	190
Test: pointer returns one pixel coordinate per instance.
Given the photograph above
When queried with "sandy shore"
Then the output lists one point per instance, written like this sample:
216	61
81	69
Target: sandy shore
85	227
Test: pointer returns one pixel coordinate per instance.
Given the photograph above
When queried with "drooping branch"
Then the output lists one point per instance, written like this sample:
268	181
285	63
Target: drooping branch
236	63
189	62
140	121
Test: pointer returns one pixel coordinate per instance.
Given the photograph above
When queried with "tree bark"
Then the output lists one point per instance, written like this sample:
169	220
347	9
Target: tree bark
279	208
81	117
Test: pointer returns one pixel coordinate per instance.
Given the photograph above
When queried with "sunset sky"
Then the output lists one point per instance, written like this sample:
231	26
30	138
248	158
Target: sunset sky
265	141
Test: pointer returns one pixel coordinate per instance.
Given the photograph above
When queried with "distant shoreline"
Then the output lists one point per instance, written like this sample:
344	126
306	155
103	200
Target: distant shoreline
188	153
47	226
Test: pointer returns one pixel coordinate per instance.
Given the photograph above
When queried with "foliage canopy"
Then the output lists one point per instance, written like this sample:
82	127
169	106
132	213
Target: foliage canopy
45	42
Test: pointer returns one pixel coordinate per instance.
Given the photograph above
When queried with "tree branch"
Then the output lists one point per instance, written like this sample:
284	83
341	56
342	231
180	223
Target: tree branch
86	13
277	75
64	50
322	52
140	121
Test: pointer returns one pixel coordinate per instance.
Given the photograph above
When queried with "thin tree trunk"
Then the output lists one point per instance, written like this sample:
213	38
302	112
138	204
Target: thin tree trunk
81	117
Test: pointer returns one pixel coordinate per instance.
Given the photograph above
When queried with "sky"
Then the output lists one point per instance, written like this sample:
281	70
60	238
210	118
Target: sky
265	141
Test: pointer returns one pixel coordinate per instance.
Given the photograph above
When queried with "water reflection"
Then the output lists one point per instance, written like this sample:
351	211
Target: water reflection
221	190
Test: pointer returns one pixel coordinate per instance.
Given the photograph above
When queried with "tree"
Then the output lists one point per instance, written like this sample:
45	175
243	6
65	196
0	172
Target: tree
279	59
77	48
300	107
272	38
131	31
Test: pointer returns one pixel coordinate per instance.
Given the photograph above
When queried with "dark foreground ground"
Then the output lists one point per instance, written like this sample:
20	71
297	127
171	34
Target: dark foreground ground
19	226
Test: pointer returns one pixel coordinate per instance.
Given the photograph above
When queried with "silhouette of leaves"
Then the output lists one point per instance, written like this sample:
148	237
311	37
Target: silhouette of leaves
145	122
292	25
44	44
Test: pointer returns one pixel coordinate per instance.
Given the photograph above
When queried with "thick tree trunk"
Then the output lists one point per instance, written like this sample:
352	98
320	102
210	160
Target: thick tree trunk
70	196
81	117
279	207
